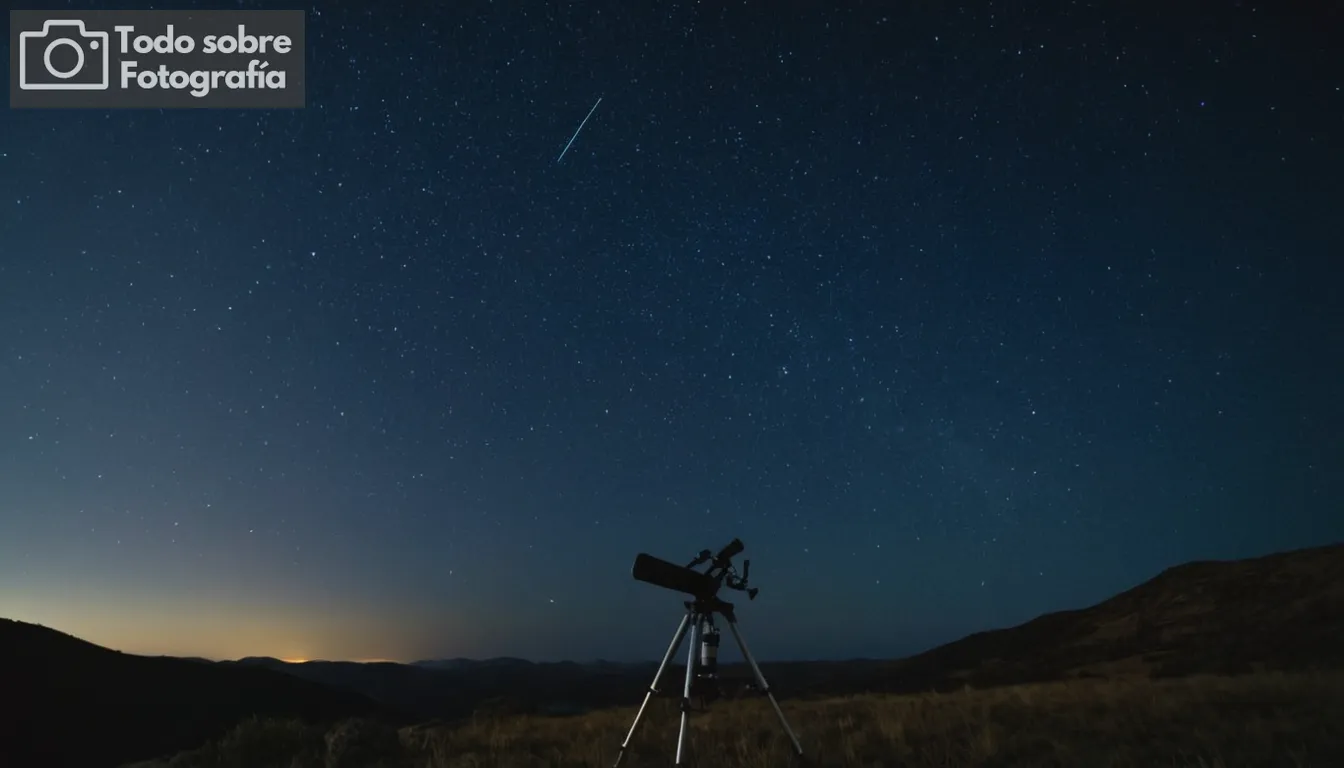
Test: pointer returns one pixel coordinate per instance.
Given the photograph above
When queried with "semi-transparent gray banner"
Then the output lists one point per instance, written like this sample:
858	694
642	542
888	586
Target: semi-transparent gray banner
156	59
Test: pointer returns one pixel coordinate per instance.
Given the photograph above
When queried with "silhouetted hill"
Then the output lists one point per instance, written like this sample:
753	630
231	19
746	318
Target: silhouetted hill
70	702
1280	612
260	661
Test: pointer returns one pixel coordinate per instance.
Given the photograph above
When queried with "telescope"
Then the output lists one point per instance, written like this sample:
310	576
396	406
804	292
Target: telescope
702	665
703	586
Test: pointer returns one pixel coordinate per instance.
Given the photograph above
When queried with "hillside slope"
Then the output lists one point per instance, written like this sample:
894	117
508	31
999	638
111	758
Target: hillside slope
1280	612
81	704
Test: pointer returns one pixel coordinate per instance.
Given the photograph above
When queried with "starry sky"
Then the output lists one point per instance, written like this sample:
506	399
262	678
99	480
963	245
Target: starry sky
954	315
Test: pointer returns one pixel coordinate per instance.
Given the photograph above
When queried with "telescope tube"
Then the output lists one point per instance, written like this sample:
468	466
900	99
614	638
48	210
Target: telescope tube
677	578
733	549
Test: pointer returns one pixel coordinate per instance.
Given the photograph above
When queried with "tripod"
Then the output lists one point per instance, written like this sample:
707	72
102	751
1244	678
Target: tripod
698	613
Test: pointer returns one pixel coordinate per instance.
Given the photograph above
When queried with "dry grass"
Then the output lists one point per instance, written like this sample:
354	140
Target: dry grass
1209	722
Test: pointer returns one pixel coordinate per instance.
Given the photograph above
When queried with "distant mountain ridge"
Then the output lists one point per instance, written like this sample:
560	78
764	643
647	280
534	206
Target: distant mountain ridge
445	664
453	688
459	663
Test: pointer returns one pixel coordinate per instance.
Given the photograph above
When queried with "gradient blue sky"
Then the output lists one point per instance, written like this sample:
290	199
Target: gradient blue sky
954	317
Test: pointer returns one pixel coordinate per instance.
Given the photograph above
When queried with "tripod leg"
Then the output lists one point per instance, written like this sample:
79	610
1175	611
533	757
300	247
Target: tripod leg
686	691
765	687
653	688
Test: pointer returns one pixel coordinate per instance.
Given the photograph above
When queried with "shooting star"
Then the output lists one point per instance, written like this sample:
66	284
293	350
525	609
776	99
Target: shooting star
580	128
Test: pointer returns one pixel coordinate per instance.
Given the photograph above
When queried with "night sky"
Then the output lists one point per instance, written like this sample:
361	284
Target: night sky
954	316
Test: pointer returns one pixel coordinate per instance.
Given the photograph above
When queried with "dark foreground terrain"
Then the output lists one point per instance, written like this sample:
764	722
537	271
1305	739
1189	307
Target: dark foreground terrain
1268	719
1219	662
68	702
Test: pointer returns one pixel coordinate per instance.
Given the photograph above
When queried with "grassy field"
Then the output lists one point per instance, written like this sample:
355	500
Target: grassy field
1256	720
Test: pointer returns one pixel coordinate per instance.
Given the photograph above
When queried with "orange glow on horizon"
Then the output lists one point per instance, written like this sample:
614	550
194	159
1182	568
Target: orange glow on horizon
229	627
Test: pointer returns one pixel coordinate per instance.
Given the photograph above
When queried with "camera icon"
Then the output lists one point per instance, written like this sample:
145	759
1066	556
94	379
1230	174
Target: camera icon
64	56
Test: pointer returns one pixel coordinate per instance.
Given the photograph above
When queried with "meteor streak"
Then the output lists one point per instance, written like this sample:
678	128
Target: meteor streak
580	128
